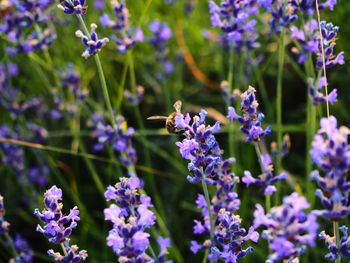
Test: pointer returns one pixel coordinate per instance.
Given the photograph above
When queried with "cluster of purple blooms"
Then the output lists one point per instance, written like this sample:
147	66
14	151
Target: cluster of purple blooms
23	250
118	135
58	227
92	42
131	216
206	163
24	24
266	179
344	244
126	36
70	80
310	43
10	97
289	229
251	119
331	153
161	35
234	17
316	92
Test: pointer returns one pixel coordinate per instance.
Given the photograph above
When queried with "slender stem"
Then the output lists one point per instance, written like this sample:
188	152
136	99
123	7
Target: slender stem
207	199
336	234
323	54
100	72
153	253
10	241
267	196
65	251
281	56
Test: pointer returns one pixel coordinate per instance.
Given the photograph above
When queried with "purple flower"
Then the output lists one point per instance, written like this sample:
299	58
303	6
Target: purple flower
161	35
93	44
58	227
251	119
334	251
331	153
235	18
73	7
126	36
130	217
289	229
135	99
266	179
316	92
23	249
119	137
231	237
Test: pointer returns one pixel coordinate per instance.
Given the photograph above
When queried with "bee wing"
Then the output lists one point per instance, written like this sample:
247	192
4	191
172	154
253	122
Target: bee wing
157	118
178	105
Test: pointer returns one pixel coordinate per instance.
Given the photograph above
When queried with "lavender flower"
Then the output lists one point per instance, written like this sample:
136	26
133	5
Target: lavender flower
283	13
119	136
266	179
235	20
125	37
329	34
24	251
206	163
4	225
130	217
286	144
251	118
334	251
230	236
73	7
135	99
161	35
309	6
25	26
230	99
289	229
316	92
92	43
55	226
200	146
331	153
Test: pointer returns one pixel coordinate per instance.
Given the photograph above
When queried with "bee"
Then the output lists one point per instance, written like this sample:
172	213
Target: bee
5	7
170	120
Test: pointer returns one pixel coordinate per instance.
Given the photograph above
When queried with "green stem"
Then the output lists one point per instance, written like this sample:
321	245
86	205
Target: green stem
12	246
281	56
64	251
100	72
153	253
207	199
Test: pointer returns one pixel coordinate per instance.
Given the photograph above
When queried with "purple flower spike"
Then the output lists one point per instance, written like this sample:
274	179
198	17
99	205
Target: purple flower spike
126	36
316	92
236	20
93	44
161	35
58	227
131	217
289	229
69	7
231	237
251	119
331	153
334	251
266	179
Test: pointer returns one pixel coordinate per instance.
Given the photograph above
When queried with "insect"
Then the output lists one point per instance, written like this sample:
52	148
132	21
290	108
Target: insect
170	120
5	7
